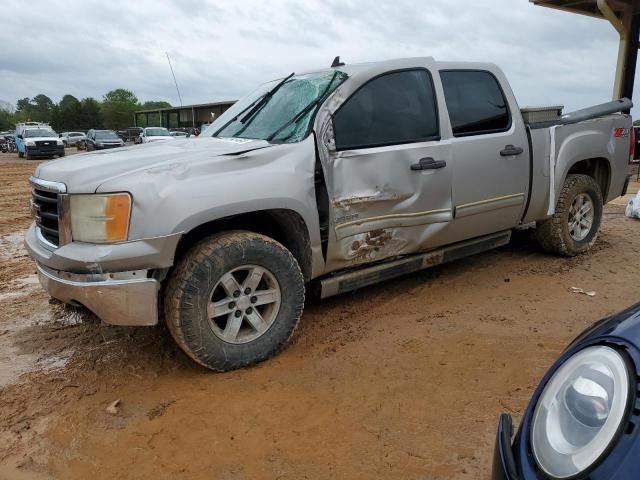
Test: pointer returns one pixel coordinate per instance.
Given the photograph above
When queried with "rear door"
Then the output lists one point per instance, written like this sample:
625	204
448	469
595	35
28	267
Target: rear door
390	188
490	153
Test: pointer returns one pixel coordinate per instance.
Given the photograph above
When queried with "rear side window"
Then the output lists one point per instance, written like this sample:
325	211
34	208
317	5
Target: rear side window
475	102
392	109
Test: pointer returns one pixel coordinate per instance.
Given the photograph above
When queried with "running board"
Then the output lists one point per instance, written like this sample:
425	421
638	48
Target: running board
352	280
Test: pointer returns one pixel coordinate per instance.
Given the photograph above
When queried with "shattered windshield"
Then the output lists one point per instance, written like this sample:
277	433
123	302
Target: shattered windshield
259	117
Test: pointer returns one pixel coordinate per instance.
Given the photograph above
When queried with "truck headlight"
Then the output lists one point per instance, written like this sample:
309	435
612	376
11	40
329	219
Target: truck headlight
60	142
100	218
580	412
30	144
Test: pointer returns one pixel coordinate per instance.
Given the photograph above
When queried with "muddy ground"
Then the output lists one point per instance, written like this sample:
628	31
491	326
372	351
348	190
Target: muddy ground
399	381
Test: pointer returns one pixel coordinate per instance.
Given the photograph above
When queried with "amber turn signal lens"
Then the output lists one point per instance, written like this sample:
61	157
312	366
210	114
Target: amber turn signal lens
116	214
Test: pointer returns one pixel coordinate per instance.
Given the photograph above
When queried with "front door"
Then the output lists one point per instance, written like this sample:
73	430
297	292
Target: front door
490	154
390	176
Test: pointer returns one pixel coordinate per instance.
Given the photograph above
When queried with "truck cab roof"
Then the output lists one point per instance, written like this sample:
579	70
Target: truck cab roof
367	69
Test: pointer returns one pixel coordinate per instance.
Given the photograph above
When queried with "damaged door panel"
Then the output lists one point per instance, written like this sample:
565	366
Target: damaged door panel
391	175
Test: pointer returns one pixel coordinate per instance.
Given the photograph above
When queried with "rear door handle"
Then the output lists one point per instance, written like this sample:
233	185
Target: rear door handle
428	164
510	150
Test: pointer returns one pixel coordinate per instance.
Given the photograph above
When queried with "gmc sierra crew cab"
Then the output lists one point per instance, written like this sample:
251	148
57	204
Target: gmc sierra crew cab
328	180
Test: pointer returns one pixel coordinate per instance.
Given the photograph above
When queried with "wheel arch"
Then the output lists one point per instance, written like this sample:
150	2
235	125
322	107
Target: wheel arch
283	225
598	168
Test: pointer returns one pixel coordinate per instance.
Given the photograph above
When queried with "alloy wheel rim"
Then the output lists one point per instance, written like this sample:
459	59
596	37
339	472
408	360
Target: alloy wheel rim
581	217
244	304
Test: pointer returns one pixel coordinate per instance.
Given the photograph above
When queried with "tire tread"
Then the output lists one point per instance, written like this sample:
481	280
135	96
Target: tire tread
201	254
550	233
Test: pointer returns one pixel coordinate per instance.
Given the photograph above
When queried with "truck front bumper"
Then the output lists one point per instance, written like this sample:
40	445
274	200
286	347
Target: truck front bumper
44	151
110	280
126	298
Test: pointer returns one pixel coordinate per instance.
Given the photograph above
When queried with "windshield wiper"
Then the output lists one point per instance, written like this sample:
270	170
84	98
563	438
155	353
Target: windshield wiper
257	103
233	119
264	100
304	111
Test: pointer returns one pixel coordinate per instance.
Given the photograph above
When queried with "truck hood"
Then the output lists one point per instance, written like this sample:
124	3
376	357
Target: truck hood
85	172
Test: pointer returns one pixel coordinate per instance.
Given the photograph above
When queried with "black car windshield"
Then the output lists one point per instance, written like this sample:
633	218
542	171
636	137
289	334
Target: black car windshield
287	102
157	132
38	132
106	136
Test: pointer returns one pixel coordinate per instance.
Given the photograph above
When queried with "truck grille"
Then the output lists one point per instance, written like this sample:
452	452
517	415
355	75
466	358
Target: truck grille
44	206
46	146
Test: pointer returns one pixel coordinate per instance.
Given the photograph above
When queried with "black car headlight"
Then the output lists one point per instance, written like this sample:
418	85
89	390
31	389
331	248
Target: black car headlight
580	412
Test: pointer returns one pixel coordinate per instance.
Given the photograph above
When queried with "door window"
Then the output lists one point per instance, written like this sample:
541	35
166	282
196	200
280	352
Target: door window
475	102
395	108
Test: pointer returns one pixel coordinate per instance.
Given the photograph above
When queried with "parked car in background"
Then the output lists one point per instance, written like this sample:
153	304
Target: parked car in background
583	420
328	181
130	134
154	134
102	140
71	139
37	140
179	133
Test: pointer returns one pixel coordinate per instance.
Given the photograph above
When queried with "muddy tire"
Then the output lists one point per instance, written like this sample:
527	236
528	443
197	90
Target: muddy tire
234	300
574	226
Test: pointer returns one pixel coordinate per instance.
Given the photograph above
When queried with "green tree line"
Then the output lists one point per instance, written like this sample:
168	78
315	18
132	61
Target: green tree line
115	111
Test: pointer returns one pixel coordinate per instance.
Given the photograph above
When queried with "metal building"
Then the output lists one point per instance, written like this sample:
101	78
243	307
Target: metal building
624	15
187	116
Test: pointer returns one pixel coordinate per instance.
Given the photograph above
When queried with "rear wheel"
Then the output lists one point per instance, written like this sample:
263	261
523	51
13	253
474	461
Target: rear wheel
234	300
574	226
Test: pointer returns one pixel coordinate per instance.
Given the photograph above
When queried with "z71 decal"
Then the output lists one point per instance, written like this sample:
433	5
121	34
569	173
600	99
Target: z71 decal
621	132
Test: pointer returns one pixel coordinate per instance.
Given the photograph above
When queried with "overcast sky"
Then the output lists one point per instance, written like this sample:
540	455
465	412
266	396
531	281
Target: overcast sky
222	49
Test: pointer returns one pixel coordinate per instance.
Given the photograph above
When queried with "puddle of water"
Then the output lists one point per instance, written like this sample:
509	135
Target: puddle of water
12	295
11	245
30	281
14	362
21	287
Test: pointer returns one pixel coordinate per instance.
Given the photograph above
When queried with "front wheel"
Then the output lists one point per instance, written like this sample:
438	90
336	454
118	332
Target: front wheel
234	300
574	226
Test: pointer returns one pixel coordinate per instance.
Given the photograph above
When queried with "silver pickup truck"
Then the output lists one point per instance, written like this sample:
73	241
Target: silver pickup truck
329	181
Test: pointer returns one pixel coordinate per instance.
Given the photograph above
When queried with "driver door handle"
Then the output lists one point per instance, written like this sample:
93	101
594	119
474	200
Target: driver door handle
510	150
428	164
